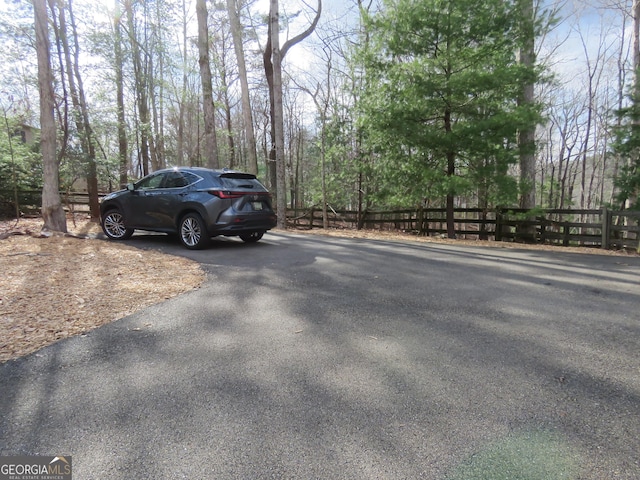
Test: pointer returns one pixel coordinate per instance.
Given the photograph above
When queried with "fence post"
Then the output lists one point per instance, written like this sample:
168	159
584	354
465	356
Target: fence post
638	236
543	230
566	232
606	228
498	231
420	225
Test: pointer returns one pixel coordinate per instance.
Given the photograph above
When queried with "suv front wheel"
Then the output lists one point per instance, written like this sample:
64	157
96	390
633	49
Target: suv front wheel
193	232
113	226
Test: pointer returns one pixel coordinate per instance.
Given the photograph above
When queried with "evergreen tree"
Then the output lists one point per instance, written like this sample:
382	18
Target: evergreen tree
440	105
627	146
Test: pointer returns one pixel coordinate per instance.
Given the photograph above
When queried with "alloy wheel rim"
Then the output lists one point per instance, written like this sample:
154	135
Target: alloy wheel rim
190	232
114	225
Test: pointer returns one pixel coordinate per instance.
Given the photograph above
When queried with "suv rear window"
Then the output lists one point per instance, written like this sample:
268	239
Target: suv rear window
240	180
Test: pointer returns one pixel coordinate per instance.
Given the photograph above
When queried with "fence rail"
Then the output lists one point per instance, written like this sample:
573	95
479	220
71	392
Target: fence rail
30	201
602	228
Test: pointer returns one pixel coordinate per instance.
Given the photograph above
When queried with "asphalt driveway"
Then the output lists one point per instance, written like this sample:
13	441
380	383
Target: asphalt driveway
317	357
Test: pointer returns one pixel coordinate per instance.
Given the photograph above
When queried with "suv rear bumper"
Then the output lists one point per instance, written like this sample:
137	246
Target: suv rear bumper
240	224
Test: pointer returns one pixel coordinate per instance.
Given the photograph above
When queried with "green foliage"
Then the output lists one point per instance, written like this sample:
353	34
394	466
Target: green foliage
627	146
341	168
20	164
20	168
628	183
442	83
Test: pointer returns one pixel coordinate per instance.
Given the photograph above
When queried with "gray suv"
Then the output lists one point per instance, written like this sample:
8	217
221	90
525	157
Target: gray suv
194	203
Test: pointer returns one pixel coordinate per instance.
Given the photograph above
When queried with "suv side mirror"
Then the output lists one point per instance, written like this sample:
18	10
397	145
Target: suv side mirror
130	187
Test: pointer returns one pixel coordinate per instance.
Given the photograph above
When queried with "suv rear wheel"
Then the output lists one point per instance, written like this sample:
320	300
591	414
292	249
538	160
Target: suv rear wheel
193	232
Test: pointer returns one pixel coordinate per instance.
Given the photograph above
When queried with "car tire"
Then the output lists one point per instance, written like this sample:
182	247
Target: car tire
252	237
113	225
192	232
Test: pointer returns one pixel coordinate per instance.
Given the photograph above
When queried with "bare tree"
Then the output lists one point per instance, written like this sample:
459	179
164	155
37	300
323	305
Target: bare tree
211	143
272	59
52	211
140	70
123	160
322	100
278	114
224	62
236	32
81	111
182	101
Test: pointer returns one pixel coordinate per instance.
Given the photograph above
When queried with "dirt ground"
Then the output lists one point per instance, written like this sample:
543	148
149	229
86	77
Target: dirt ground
54	286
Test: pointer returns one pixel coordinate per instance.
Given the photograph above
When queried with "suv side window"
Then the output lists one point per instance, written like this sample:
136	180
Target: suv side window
179	179
174	180
150	183
190	178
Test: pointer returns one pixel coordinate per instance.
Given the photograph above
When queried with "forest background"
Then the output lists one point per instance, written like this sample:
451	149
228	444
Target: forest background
391	104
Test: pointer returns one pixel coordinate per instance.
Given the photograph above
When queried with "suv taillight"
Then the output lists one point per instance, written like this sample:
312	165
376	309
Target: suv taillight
226	194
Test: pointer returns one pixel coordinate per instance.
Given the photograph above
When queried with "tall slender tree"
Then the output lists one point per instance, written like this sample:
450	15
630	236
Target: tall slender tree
52	211
118	59
78	99
211	143
272	70
527	134
278	113
140	70
249	133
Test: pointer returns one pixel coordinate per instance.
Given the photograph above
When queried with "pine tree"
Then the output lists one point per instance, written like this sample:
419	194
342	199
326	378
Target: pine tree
440	105
627	146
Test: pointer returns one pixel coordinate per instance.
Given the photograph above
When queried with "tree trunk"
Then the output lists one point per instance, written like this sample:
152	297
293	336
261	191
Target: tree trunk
123	161
211	143
270	72
451	171
636	45
156	156
158	100
81	115
278	120
250	136
52	211
180	140
271	157
141	91
632	200
231	145
526	139
527	135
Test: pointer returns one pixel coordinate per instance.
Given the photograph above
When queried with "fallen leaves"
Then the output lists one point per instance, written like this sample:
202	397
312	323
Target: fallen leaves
57	286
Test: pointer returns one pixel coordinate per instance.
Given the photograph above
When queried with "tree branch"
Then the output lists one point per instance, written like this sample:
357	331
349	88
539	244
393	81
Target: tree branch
298	38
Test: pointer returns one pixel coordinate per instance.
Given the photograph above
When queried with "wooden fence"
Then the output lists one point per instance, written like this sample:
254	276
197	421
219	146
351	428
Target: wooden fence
30	201
602	228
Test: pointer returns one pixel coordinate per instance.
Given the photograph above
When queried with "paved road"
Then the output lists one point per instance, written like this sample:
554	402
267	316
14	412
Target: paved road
315	357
